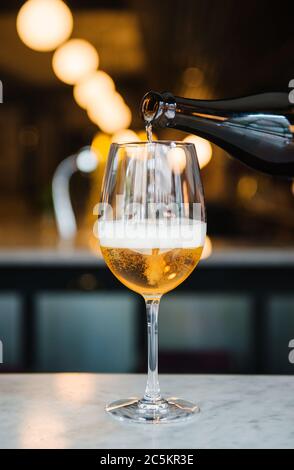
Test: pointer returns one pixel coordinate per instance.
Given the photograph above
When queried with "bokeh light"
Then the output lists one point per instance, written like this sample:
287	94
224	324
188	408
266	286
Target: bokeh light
94	87
44	24
111	115
247	187
203	149
74	60
124	136
100	144
87	160
207	249
143	136
176	158
193	77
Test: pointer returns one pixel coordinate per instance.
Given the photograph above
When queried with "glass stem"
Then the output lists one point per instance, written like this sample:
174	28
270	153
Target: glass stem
152	392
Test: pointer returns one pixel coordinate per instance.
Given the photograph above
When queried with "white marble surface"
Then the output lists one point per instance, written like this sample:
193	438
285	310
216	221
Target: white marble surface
67	411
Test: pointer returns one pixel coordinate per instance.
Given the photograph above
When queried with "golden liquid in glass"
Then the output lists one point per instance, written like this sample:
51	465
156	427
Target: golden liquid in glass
151	271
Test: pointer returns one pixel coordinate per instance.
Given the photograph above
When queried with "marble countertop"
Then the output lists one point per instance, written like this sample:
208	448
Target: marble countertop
67	411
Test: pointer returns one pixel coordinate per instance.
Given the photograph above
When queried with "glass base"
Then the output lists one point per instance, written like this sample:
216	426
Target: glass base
171	410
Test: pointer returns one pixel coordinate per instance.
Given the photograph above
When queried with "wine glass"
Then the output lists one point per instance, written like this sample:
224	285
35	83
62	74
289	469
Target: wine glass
151	228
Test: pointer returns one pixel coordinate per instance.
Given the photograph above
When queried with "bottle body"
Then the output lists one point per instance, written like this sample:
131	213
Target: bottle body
257	130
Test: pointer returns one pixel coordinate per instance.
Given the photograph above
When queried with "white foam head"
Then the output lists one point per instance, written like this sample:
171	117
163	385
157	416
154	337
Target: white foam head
184	233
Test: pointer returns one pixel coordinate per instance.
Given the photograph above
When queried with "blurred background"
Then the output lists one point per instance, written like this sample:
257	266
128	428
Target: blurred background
73	75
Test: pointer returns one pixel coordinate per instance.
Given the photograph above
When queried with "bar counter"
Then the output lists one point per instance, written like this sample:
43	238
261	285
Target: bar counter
258	274
67	411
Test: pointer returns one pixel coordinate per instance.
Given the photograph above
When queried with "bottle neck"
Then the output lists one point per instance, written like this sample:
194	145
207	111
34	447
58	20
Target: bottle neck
257	130
270	113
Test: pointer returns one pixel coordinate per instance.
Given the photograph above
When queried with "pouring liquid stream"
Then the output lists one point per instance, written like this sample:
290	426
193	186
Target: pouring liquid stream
148	128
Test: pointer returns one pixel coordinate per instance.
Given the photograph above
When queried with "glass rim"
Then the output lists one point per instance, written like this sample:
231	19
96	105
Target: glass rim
177	143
